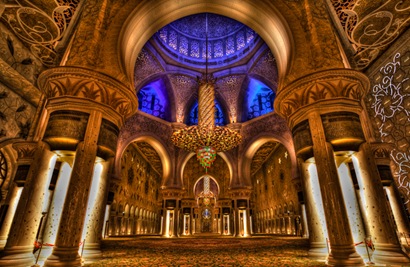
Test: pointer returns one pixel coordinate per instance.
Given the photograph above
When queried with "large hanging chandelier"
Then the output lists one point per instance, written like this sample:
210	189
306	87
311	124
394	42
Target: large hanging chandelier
206	139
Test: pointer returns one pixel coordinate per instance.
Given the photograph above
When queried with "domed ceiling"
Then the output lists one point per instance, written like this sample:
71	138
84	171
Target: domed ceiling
168	66
228	40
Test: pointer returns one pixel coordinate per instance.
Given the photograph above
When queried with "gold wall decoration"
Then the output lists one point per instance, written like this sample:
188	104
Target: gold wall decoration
40	28
371	30
389	103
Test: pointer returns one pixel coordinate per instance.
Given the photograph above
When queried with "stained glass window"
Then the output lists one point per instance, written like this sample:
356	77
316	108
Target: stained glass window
218	49
163	34
260	99
173	40
183	46
250	35
240	41
195	49
230	46
152	99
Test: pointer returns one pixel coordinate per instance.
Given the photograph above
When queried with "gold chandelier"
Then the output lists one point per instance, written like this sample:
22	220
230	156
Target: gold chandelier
206	139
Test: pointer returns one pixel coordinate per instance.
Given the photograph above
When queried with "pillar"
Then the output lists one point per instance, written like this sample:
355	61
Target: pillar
342	252
12	200
387	246
397	208
19	247
314	209
351	203
92	233
65	251
56	208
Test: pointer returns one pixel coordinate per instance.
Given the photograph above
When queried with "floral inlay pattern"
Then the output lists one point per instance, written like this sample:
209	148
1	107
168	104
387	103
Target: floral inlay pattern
390	103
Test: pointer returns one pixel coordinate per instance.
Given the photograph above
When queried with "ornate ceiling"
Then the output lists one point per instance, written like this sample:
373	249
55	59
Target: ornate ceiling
262	154
150	155
185	40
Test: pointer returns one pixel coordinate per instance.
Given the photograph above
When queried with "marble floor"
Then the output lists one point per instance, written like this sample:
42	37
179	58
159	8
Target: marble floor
206	251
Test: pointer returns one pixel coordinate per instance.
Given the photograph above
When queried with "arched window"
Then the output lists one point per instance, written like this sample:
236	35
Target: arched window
260	99
152	99
219	115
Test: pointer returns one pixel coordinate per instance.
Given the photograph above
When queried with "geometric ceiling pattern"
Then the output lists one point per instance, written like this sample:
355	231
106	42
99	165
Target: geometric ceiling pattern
262	155
150	154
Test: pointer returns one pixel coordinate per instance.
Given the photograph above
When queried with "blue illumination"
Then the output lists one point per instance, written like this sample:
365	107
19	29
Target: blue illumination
260	99
219	115
152	99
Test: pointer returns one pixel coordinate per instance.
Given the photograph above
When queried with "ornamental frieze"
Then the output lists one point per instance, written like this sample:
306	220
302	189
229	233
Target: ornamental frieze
326	85
83	83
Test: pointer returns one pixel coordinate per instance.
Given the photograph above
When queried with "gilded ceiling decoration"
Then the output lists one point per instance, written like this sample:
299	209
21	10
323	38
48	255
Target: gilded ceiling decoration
261	155
151	155
228	42
371	30
40	28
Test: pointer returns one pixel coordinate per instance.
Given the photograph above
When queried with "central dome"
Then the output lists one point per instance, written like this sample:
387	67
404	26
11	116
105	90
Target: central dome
184	40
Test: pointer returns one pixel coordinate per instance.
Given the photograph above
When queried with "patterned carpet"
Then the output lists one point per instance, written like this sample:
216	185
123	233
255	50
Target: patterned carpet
210	251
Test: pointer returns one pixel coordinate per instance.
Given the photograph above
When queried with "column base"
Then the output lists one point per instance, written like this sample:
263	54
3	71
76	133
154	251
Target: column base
17	256
318	251
44	254
3	242
390	254
64	257
91	253
344	255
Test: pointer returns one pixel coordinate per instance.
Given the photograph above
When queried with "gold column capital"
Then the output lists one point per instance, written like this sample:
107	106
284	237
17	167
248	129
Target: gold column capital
84	83
325	91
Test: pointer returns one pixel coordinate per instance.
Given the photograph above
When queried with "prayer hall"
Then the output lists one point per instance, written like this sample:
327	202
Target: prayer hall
204	133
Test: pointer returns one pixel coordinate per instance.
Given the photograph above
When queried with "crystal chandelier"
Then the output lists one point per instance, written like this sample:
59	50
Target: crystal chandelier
206	139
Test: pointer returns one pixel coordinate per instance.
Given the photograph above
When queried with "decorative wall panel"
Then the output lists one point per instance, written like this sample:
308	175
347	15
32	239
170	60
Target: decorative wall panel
372	26
389	108
16	115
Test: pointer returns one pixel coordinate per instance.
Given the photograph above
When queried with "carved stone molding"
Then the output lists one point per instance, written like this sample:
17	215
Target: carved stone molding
241	193
319	87
172	192
85	83
25	150
381	150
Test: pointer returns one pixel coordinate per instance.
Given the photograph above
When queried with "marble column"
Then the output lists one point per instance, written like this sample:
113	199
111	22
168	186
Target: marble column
92	233
398	210
342	252
56	208
65	251
351	204
317	237
13	200
19	247
387	246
